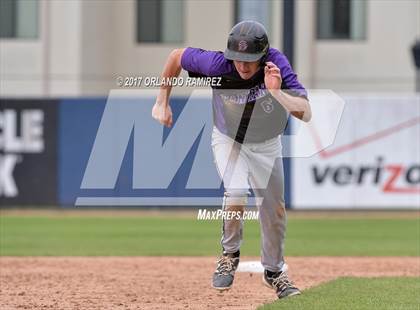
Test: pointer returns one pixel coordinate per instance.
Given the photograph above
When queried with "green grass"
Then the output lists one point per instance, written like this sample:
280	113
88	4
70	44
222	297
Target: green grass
165	235
356	294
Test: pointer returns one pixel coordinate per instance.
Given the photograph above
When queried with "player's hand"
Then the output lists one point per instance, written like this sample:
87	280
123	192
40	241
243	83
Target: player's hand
162	113
272	77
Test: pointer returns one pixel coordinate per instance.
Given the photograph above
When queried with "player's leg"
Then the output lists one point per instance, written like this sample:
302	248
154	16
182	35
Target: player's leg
234	200
232	229
266	178
231	241
267	181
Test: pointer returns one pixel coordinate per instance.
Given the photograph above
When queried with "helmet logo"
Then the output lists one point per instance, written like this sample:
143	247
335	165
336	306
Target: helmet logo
242	46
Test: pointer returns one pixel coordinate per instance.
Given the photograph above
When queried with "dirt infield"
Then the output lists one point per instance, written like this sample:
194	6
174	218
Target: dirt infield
165	282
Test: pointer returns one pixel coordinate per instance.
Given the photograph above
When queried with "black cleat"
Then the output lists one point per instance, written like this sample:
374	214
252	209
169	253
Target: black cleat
280	282
225	271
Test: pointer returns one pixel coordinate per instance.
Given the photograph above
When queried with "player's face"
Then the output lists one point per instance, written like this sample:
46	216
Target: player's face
246	69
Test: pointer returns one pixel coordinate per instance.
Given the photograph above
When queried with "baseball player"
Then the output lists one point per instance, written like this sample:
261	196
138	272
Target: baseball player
258	91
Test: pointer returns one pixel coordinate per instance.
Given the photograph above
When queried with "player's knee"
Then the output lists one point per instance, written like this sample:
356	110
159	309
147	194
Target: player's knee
235	208
235	199
280	208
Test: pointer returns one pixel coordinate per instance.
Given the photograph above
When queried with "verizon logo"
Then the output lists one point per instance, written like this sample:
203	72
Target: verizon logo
391	178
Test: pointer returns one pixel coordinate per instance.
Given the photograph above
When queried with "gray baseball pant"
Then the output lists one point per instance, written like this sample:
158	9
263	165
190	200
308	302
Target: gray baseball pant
259	166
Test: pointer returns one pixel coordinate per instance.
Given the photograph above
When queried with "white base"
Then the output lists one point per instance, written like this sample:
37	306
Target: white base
254	266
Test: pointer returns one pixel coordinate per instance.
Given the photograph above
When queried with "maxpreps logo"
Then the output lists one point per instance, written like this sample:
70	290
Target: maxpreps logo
389	178
134	160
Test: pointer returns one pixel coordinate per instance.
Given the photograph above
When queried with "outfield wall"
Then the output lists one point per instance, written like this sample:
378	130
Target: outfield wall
46	144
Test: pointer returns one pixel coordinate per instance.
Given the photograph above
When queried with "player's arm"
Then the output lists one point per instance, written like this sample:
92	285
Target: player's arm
161	110
297	106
